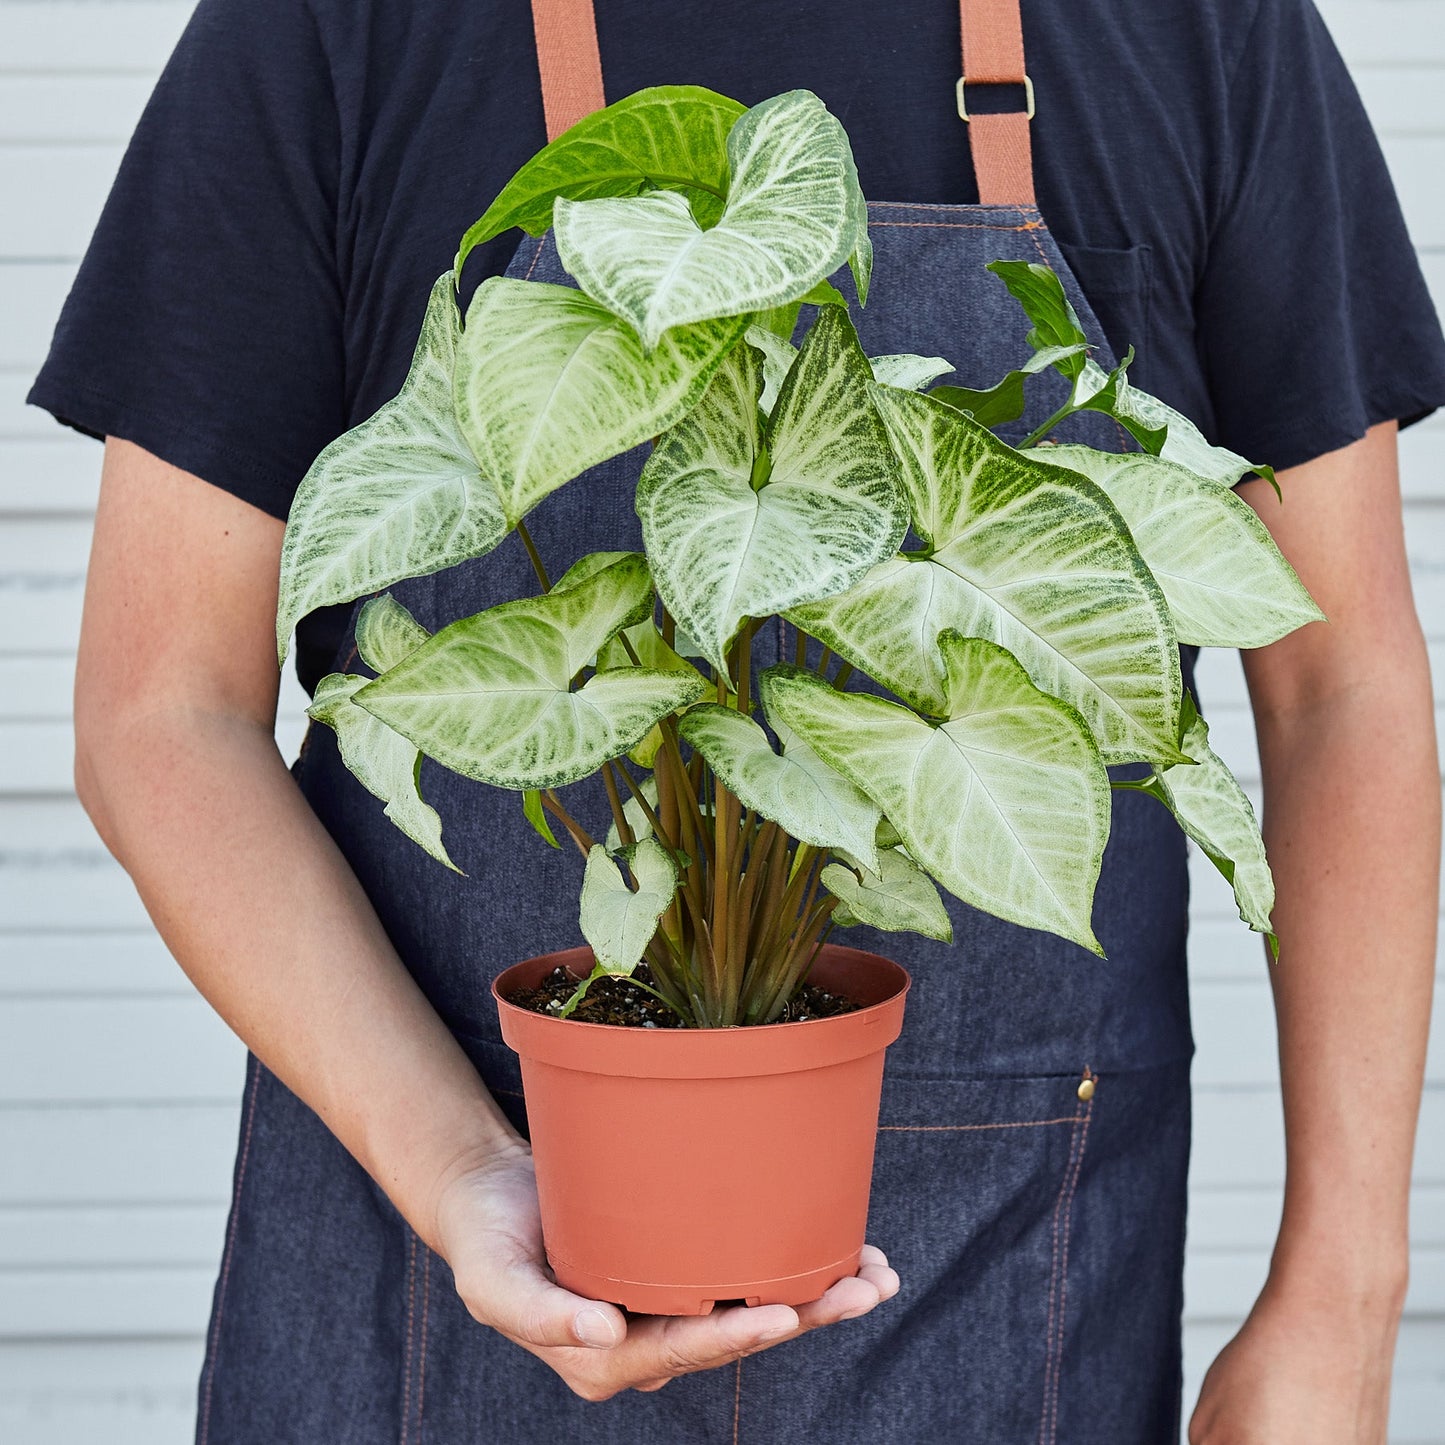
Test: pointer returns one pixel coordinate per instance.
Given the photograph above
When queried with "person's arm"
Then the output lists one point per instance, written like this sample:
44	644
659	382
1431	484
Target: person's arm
177	766
1345	721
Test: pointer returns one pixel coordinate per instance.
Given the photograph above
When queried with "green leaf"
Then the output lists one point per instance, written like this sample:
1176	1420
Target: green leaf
908	373
551	383
808	799
1109	393
490	696
1183	442
1006	803
1226	582
778	356
725	545
652	652
1213	810
669	135
386	632
1056	324
790	221
384	762
536	815
1005	401
617	920
1032	557
399	496
898	897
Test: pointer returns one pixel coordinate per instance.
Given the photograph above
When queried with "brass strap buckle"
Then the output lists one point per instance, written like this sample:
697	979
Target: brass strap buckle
1028	98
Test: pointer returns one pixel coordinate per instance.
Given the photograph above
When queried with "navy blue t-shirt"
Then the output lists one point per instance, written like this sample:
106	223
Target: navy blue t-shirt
305	168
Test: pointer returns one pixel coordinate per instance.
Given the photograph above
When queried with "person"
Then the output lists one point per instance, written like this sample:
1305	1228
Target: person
1209	188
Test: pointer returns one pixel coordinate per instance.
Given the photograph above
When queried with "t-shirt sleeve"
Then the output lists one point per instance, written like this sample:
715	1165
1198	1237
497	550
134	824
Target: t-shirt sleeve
1314	321
205	323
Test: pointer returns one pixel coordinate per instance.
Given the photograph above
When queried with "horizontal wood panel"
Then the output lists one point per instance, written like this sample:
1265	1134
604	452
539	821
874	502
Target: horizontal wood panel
52	962
70	109
1386	32
1241	1218
58	474
35	1303
71	36
65	186
110	1236
19	422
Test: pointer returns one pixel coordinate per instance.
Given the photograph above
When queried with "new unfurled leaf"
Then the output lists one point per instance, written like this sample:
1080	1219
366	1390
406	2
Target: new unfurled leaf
1033	557
909	373
644	642
1005	802
1005	401
490	696
666	136
618	920
807	798
1226	582
386	632
383	762
897	896
741	524
399	496
791	219
1056	325
778	357
551	383
536	815
1213	810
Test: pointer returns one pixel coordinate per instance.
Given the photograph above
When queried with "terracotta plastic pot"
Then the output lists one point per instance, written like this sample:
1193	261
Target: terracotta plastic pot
682	1167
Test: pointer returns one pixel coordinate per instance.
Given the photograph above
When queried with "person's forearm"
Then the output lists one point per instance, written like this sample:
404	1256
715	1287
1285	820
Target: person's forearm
1352	824
261	910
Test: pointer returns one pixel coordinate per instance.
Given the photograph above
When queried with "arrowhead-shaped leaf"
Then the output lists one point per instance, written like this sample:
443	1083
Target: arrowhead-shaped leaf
898	897
1226	582
1056	325
551	383
399	496
725	545
809	800
791	219
384	762
490	696
386	632
669	135
1032	557
908	373
1213	810
1006	803
617	920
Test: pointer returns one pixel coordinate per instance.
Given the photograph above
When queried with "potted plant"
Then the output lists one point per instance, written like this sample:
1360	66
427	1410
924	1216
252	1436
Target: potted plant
979	632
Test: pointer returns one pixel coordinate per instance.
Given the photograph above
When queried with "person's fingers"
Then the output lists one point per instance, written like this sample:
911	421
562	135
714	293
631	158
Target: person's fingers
663	1348
882	1278
522	1302
871	1255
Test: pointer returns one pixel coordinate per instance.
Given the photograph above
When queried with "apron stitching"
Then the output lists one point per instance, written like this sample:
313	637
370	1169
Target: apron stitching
955	226
421	1363
406	1350
737	1402
1054	1274
965	1128
230	1248
1064	1272
537	256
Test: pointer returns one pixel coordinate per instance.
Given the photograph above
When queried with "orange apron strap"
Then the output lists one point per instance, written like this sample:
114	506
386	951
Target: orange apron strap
993	54
568	61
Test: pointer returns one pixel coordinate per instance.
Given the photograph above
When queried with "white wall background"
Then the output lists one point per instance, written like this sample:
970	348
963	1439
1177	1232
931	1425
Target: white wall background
119	1088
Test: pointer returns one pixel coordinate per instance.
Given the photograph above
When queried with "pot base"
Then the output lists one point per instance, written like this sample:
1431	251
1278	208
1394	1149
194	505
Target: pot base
683	1299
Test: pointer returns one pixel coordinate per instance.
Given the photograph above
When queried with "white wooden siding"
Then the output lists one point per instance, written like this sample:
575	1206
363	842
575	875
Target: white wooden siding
118	1087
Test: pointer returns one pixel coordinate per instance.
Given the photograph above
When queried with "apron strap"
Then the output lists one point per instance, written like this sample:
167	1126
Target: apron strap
993	54
568	61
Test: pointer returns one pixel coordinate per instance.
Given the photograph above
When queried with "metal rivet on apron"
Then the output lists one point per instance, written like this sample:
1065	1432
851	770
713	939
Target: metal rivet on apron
1086	1088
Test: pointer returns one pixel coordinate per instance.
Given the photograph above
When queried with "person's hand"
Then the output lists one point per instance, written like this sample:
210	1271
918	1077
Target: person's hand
1309	1370
490	1233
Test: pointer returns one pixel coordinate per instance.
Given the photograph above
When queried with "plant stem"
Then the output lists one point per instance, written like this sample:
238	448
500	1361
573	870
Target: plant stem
535	555
1040	432
842	675
619	815
578	834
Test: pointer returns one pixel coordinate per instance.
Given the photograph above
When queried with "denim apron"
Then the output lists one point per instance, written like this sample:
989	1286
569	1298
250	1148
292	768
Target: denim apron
1030	1177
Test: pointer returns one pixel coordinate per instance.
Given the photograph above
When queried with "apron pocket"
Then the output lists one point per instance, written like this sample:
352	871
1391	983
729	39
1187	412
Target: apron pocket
1119	284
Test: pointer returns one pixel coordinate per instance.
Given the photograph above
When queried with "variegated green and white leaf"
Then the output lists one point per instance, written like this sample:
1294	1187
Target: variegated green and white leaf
898	896
778	357
1213	810
550	383
399	496
1226	582
1183	442
1033	557
1006	803
637	820
737	525
791	219
386	632
383	762
668	135
489	696
909	373
650	651
617	920
809	800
